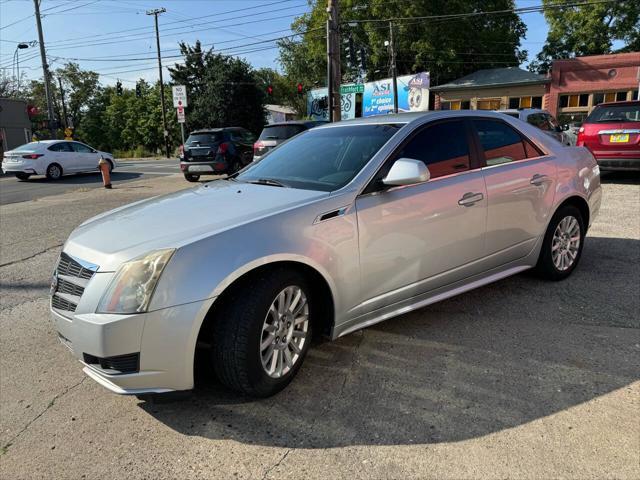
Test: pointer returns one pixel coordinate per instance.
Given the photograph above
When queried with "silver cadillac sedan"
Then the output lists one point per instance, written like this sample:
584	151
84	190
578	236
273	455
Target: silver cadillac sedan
343	226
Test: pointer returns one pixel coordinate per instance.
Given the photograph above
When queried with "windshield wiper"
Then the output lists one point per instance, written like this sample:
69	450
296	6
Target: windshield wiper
268	181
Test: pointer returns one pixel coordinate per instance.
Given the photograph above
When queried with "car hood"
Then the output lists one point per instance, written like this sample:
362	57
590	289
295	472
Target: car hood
177	219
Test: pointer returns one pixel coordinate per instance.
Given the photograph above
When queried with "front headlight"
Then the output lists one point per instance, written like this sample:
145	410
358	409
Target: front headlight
131	289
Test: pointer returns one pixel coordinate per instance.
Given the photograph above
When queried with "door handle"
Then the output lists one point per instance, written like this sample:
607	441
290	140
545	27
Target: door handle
469	199
538	179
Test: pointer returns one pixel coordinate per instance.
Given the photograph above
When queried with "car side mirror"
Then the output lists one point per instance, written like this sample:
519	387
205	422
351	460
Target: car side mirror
406	171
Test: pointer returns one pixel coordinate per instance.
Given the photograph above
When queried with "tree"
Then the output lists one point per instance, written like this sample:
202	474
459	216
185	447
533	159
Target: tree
447	48
223	91
79	86
588	30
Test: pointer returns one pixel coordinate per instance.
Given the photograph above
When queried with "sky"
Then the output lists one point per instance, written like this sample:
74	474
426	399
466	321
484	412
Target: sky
94	33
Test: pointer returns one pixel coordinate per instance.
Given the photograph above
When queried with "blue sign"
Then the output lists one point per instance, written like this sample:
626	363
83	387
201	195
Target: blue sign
413	95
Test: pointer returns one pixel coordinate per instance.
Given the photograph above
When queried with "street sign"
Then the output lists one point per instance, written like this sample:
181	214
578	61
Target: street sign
180	112
179	96
352	88
68	134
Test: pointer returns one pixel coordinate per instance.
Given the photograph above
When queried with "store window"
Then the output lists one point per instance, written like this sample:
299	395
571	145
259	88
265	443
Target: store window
525	102
455	105
574	101
488	104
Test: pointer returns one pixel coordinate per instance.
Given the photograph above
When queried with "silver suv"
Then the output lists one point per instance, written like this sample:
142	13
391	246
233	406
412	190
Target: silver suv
341	227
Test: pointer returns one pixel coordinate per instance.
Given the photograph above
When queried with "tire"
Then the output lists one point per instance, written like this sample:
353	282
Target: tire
22	176
245	323
565	229
235	166
191	178
54	172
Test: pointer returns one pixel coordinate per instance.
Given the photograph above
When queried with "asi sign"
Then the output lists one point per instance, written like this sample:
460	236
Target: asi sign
179	96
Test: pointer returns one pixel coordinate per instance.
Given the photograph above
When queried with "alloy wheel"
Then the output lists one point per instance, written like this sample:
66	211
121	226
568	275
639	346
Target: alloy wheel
565	244
284	331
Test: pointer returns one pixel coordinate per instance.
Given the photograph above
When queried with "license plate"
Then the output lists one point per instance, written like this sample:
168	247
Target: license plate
620	138
200	168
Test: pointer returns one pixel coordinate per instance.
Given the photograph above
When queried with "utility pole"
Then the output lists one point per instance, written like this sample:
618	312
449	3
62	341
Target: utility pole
45	71
165	132
64	106
394	70
333	62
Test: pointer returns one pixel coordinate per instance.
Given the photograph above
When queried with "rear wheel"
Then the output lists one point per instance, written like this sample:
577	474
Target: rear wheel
54	171
562	246
191	178
260	338
23	176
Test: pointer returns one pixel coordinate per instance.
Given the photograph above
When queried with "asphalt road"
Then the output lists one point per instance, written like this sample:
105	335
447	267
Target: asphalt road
13	190
520	379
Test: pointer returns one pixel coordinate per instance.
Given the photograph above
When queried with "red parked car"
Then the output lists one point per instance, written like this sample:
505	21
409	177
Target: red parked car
612	133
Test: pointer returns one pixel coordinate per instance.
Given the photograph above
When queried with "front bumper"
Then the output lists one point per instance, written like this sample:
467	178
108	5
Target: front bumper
204	168
619	164
165	340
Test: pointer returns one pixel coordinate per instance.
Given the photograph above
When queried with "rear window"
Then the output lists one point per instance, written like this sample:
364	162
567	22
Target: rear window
203	139
280	132
27	146
615	113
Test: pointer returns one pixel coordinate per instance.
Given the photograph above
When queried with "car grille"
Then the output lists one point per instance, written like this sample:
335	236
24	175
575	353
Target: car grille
70	279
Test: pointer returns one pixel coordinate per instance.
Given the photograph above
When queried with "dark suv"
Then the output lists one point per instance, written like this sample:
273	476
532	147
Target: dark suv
274	134
215	151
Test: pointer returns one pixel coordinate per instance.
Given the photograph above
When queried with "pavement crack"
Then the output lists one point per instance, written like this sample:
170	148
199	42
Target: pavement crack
13	262
276	465
51	403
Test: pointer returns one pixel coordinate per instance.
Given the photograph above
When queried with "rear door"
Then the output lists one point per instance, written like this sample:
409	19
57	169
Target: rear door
521	182
63	154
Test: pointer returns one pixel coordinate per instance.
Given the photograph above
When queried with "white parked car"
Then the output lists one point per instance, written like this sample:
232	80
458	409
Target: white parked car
53	158
541	119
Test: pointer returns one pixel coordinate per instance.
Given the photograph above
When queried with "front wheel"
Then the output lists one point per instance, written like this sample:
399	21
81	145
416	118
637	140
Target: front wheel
191	178
54	172
22	176
262	333
562	246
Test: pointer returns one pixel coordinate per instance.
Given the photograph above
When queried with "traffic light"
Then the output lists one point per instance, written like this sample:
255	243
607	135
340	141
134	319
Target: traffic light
138	90
119	87
363	58
300	89
270	90
351	50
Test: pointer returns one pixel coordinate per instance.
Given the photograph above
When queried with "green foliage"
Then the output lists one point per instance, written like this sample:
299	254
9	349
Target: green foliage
588	30
222	91
448	49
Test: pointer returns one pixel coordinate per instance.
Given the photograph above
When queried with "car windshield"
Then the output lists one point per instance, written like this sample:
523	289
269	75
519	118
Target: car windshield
280	132
323	159
204	139
26	146
615	113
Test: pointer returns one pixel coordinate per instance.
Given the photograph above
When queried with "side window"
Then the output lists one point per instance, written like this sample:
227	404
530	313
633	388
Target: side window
56	147
500	142
442	147
538	120
80	148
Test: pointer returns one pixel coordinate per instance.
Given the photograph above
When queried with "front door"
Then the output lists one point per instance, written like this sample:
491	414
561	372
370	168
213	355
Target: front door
521	183
420	237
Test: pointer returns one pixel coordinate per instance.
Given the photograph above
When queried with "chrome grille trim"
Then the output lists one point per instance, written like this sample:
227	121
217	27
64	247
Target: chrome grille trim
70	279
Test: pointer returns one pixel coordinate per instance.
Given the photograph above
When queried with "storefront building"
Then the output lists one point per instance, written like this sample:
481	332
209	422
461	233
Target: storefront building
579	84
493	89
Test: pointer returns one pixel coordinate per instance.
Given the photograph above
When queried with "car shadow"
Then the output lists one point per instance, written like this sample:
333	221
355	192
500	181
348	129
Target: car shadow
488	360
85	178
624	178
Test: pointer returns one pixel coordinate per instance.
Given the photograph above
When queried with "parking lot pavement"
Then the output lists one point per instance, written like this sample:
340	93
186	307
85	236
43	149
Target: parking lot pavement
519	379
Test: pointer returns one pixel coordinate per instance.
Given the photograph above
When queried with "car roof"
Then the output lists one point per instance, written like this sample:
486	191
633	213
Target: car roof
624	102
410	117
296	122
215	130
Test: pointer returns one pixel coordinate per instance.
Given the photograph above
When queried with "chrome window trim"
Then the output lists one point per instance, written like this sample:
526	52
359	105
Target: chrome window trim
487	167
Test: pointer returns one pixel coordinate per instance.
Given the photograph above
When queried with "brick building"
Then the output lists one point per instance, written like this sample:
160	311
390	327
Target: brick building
579	84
